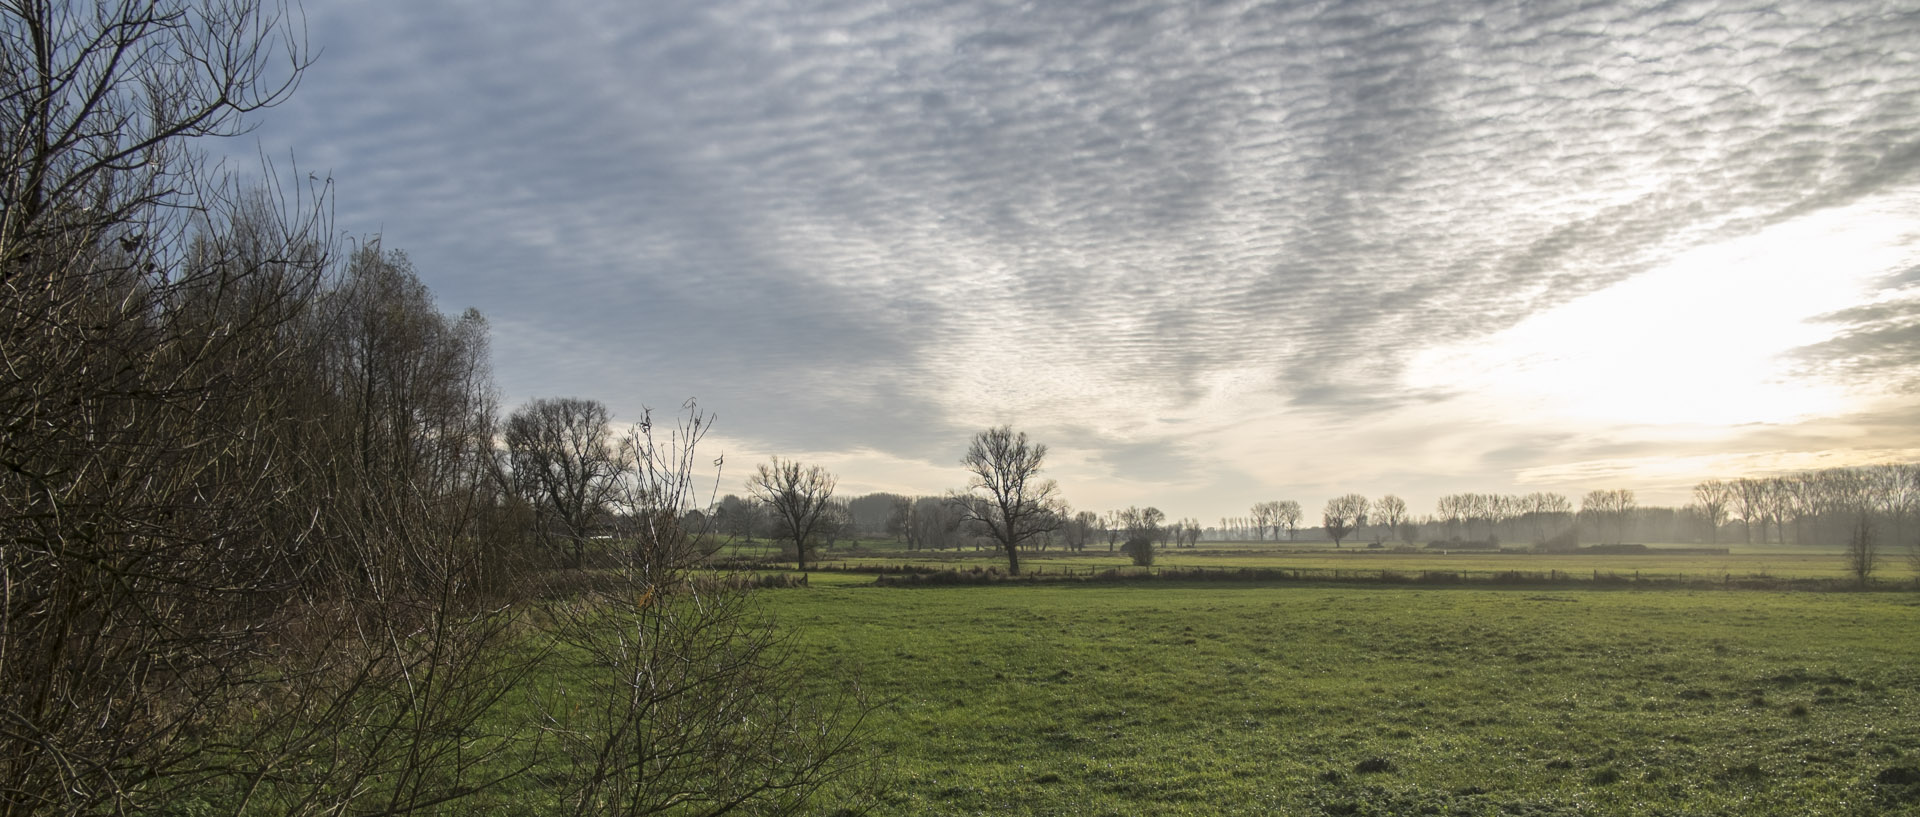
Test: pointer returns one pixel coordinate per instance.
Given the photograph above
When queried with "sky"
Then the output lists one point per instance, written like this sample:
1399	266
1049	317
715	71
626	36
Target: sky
1209	253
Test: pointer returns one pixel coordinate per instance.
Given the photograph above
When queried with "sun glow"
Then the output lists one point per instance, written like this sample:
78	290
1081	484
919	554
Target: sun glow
1699	342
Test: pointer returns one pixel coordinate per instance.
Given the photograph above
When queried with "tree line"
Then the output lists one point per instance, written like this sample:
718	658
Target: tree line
1824	507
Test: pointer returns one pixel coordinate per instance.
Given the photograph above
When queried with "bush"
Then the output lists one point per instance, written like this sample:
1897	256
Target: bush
1140	549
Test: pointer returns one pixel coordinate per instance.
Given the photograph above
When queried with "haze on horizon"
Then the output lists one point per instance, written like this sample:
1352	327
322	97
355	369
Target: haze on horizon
1210	253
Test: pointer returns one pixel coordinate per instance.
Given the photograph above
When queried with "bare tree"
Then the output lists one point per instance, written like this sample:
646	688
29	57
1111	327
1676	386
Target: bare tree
799	497
936	522
1015	502
837	523
1286	514
1113	523
1143	529
738	516
1388	512
1713	497
1863	552
1549	513
689	702
101	102
1081	530
564	462
1749	496
1188	532
1609	511
900	521
1342	514
1264	514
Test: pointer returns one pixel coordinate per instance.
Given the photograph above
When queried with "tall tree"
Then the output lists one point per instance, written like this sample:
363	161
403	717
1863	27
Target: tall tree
799	496
1713	496
900	520
1863	551
1342	514
1388	512
935	522
1610	512
1081	530
1750	496
1143	530
1114	526
1550	513
1264	514
1015	502
563	460
1287	515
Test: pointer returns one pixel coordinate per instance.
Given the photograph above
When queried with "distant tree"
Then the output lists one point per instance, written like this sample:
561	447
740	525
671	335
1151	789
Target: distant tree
1016	503
1549	513
933	522
1388	512
1609	512
1342	514
1081	530
1143	530
899	520
1188	532
1114	528
742	517
1165	535
837	523
1749	495
564	462
1287	514
872	513
1264	514
1863	552
1713	496
798	496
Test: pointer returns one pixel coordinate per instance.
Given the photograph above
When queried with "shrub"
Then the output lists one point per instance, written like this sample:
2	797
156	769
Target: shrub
1140	549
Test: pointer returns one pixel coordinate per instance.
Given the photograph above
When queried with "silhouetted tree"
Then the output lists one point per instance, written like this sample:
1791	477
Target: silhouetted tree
1863	552
1342	514
1712	496
1287	514
1143	529
1388	512
1264	517
1016	504
799	497
563	461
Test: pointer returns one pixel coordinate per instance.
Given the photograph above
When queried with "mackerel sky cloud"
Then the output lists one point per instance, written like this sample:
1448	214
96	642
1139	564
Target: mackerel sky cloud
1212	253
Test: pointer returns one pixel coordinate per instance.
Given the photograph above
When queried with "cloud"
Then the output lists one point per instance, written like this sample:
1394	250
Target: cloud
1877	342
863	224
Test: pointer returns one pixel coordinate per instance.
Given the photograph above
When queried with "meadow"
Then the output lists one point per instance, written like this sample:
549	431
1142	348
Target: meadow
1351	700
1663	561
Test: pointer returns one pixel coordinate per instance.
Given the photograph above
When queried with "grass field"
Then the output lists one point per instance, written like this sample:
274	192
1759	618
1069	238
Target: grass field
1156	699
1777	561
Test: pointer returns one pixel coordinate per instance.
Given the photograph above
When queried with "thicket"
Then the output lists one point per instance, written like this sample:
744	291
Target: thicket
258	553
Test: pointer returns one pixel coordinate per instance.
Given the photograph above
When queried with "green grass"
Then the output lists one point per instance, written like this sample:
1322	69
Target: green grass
1775	561
1031	700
